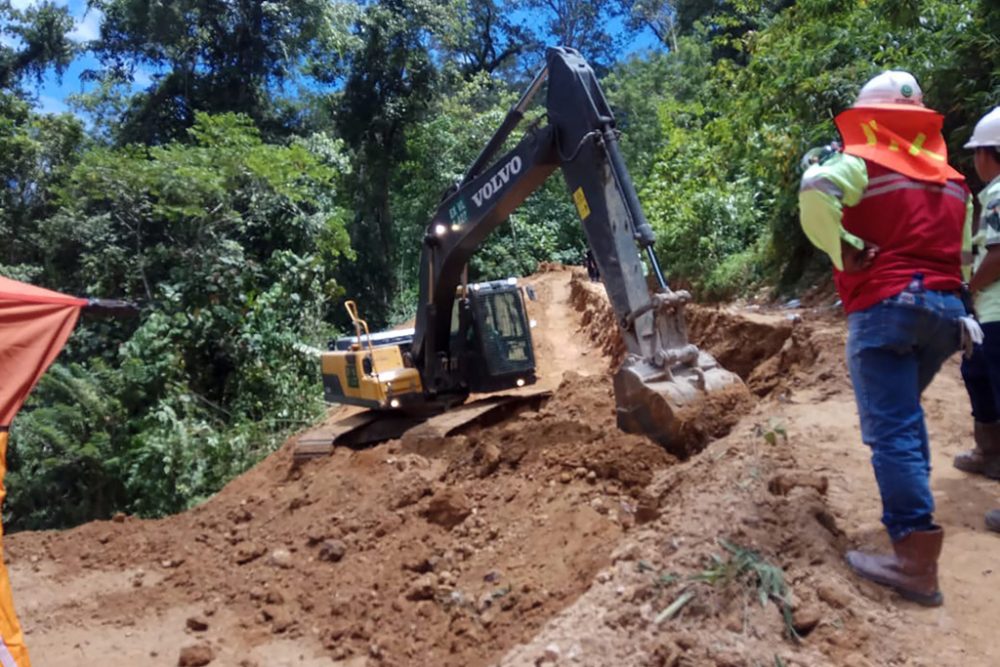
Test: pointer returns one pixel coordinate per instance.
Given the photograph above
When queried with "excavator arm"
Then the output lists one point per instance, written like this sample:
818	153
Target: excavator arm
663	371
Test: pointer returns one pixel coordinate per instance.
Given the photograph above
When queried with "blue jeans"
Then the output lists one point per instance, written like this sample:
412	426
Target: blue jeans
981	373
894	349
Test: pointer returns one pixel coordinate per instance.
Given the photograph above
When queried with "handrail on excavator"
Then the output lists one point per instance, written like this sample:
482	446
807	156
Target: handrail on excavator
359	325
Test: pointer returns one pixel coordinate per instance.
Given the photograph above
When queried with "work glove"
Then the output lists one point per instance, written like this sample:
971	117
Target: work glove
972	335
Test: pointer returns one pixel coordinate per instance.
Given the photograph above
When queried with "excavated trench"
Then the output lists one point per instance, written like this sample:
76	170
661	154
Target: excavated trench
764	350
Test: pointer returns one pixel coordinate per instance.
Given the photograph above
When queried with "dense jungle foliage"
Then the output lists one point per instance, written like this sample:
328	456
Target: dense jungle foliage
238	167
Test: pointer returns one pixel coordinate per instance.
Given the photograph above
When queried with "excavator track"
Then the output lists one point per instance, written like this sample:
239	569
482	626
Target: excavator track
372	427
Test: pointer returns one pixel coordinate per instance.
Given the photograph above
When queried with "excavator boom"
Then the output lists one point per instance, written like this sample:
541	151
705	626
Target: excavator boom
663	374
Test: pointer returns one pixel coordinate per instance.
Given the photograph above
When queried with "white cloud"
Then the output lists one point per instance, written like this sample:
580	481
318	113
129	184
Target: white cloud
142	78
89	28
47	104
88	21
24	4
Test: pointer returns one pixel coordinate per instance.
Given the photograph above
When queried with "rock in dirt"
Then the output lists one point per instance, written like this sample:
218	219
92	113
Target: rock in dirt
197	624
834	596
278	617
332	551
486	458
782	483
410	490
280	558
196	656
241	515
421	563
422	588
448	508
248	553
647	509
806	619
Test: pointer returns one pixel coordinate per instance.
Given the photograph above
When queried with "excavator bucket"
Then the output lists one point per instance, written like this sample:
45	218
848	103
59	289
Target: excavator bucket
662	406
664	395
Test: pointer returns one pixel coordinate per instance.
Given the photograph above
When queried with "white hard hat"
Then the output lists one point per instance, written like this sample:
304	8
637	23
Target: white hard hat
987	132
893	89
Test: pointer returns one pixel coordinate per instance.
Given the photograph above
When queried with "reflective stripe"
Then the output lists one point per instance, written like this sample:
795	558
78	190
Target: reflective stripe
823	185
913	185
917	147
968	257
878	180
6	659
956	188
892	178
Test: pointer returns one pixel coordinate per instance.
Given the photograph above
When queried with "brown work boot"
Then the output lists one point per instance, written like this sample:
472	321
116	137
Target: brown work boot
911	570
993	520
985	458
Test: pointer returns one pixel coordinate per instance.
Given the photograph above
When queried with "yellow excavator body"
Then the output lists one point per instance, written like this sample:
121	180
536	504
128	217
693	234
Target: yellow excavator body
371	372
372	378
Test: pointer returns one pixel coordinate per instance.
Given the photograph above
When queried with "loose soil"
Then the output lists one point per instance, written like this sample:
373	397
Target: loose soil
550	538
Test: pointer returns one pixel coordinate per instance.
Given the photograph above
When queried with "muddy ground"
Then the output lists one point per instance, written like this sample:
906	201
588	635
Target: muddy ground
550	538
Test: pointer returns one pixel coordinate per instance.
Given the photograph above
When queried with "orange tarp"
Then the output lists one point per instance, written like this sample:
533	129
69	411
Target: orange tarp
907	141
34	326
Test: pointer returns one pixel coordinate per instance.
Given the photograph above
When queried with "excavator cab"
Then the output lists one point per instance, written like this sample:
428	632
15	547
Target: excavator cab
492	337
491	351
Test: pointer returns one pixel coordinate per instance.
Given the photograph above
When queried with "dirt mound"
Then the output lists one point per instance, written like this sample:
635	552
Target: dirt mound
763	349
443	551
740	568
548	538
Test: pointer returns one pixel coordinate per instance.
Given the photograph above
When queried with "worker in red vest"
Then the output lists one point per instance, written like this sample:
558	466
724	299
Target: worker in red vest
895	219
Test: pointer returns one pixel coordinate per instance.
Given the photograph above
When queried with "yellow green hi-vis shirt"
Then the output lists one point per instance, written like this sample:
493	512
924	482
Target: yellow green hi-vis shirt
838	181
988	236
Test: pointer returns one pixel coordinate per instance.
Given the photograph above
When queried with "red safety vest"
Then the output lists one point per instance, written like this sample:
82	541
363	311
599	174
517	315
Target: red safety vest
918	227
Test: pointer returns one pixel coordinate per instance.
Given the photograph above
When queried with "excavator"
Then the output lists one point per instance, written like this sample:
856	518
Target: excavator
473	339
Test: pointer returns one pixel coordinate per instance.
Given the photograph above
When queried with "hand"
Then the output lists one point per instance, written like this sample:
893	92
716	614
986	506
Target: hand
858	260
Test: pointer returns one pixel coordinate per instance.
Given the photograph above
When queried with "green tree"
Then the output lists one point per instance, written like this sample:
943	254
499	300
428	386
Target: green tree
230	244
390	82
215	56
38	151
590	26
724	192
484	36
32	40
